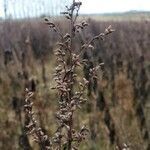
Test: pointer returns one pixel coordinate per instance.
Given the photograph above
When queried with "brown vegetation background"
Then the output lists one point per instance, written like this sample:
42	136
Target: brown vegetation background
122	99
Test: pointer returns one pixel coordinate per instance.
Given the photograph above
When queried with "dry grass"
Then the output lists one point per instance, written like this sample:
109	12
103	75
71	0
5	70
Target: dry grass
123	92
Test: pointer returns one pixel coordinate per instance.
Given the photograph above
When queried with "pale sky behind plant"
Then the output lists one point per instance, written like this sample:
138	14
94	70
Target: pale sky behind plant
89	6
108	6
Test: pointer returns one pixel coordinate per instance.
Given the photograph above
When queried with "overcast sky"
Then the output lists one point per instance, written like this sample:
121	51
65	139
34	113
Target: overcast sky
104	6
88	7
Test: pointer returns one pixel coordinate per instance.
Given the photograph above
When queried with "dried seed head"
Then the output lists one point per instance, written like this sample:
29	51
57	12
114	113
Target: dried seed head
46	19
109	30
85	81
91	47
68	17
67	36
84	24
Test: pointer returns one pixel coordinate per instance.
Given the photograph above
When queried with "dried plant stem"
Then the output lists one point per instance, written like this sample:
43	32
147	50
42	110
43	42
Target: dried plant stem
70	98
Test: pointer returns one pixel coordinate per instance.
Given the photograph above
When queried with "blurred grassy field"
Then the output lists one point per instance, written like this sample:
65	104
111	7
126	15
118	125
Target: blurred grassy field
126	16
123	101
